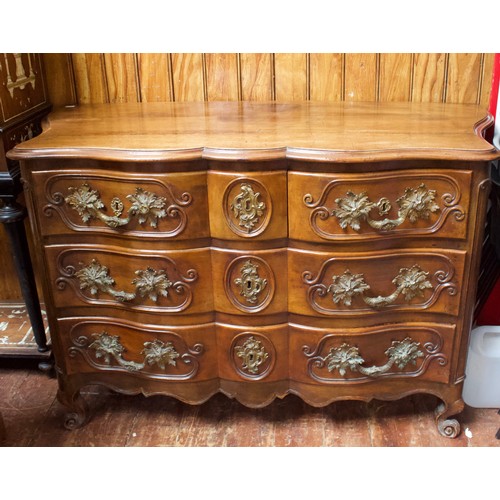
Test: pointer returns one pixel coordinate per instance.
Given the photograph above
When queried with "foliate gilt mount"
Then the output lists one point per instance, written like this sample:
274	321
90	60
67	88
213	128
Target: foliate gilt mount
250	283
252	354
353	209
155	353
146	206
347	357
149	282
415	204
247	208
105	351
411	282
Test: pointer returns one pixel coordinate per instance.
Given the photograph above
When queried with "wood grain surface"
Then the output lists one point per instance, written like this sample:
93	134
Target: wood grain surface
306	131
33	418
427	77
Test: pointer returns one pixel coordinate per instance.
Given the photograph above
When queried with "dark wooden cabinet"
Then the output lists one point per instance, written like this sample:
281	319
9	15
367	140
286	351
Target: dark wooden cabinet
23	106
325	250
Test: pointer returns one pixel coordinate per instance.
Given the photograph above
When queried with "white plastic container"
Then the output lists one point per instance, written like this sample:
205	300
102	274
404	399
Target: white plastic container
482	371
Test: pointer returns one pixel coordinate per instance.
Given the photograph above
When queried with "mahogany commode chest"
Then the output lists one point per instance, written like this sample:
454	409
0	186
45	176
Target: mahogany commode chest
260	249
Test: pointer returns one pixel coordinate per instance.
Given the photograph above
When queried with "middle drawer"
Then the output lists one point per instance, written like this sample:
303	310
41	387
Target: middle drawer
166	282
356	285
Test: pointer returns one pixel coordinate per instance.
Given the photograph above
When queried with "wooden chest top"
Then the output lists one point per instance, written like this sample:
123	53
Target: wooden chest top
313	131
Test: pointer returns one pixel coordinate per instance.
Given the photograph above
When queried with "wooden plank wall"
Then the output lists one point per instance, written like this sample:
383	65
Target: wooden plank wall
98	78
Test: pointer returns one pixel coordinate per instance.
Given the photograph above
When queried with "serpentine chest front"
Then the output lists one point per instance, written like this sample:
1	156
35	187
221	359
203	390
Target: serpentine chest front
330	251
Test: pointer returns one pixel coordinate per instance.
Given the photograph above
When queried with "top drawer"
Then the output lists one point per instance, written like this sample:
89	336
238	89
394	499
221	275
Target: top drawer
352	207
170	205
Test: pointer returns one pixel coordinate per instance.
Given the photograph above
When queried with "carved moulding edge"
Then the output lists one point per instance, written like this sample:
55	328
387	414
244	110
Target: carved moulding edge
450	202
432	352
67	277
189	357
174	210
317	288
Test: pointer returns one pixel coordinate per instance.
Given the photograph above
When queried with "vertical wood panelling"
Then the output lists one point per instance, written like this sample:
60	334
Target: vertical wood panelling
256	77
222	77
121	77
395	77
487	76
90	78
428	77
187	77
154	77
290	77
326	77
60	80
463	78
361	77
94	78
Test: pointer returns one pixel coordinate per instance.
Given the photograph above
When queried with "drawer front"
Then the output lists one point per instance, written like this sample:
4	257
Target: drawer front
253	353
104	344
164	282
250	283
349	285
247	206
321	356
350	207
130	204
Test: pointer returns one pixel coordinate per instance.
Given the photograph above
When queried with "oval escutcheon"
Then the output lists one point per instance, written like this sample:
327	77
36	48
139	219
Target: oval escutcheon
249	283
253	355
247	207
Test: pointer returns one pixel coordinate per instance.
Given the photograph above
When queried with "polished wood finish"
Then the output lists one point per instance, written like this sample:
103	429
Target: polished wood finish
435	77
264	295
304	131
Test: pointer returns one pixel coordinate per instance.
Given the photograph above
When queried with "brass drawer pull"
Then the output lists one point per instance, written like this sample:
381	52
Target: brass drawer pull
411	282
346	357
105	351
413	205
155	353
145	206
149	282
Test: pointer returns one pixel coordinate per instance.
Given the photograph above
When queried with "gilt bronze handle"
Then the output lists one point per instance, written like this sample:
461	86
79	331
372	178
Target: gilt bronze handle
346	357
411	282
149	282
415	204
145	206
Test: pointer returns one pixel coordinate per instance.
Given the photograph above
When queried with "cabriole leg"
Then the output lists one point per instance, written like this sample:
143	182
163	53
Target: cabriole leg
78	414
449	428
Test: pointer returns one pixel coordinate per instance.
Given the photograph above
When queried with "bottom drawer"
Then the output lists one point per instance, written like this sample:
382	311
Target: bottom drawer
102	344
327	356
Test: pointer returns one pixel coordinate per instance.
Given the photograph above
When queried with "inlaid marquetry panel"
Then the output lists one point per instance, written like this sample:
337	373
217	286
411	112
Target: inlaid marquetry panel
22	86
